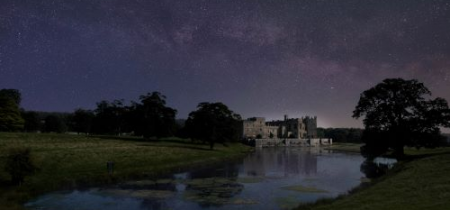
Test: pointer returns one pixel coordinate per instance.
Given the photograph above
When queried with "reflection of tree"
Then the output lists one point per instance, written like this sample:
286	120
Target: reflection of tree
162	184
213	187
153	193
372	169
154	204
212	191
287	161
228	170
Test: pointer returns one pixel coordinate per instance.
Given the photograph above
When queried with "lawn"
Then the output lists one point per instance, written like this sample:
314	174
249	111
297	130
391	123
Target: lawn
67	161
345	147
421	182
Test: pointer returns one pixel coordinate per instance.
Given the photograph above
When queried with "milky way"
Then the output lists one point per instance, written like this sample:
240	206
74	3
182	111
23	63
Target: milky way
261	58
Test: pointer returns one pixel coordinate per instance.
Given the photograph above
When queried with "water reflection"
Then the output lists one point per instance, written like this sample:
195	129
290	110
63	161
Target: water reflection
374	168
269	178
210	187
281	162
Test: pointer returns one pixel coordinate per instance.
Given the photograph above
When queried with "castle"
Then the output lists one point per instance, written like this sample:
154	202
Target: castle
295	128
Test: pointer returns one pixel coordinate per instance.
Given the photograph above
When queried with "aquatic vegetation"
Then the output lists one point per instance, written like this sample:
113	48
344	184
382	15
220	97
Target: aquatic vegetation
286	202
250	180
141	183
164	181
304	189
212	191
154	194
240	201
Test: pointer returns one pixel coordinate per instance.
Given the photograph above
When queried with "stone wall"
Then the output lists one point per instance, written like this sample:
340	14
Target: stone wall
254	127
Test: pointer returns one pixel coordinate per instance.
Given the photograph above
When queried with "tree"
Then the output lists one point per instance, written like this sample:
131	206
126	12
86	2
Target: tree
12	94
32	121
19	164
397	115
153	118
341	134
213	122
109	117
82	120
10	117
54	123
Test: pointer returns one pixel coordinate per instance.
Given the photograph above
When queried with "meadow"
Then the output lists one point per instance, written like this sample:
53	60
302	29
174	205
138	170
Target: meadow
67	161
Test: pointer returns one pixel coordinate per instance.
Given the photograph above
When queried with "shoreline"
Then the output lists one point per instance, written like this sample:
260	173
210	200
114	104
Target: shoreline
134	159
423	176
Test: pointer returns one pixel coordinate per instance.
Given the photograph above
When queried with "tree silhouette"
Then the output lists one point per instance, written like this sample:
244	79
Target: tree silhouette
397	115
213	122
82	121
32	121
109	117
54	123
153	117
10	117
12	94
19	164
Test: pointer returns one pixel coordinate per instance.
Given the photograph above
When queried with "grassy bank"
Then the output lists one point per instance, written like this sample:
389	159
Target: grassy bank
421	182
67	161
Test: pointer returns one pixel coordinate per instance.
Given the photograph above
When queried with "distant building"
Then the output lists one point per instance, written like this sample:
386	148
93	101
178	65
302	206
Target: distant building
298	128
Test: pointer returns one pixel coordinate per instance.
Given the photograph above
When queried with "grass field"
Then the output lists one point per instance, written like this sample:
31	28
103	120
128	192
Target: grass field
67	161
421	182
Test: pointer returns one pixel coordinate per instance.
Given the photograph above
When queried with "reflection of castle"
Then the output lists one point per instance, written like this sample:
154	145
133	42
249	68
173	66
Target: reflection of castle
298	128
280	163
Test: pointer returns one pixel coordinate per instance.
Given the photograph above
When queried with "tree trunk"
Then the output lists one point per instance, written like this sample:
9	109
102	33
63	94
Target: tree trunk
399	152
211	144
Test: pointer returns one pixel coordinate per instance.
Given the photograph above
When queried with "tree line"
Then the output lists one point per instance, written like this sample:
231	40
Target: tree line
347	135
149	117
396	113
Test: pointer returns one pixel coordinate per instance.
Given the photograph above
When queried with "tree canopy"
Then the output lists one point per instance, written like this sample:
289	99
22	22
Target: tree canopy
11	94
10	117
109	117
341	134
82	120
397	113
213	122
54	123
152	117
32	121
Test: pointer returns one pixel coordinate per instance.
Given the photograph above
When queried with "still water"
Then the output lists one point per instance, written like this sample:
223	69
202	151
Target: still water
269	178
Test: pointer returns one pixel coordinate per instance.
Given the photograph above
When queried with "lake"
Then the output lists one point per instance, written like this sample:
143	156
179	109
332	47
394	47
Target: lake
269	178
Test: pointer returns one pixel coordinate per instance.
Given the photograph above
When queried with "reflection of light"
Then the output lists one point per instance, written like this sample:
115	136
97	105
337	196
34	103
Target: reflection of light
281	162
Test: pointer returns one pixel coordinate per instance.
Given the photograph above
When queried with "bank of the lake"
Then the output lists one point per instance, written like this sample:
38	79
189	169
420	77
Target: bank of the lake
268	178
67	161
345	147
420	182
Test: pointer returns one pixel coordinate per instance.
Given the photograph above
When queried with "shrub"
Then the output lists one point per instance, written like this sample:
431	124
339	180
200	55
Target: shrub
19	163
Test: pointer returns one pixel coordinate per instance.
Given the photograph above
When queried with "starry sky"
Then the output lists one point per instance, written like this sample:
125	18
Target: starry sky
260	57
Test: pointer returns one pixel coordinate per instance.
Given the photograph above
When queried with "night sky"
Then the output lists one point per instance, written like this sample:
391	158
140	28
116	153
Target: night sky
260	57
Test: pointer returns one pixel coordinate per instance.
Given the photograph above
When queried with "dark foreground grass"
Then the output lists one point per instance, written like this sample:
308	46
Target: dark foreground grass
420	182
68	161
